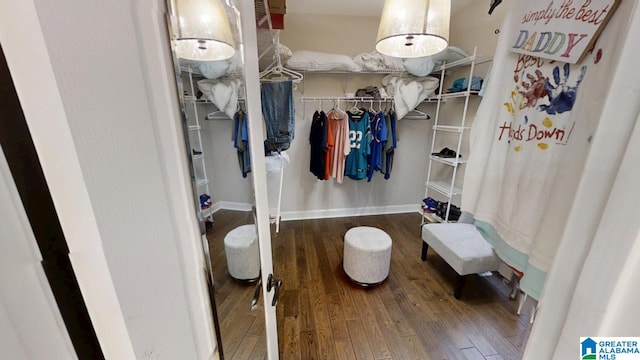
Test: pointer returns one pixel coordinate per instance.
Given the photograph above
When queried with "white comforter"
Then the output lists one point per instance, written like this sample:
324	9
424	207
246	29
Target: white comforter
223	93
375	61
409	91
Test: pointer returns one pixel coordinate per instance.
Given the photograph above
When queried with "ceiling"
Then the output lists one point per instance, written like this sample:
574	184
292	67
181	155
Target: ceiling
350	7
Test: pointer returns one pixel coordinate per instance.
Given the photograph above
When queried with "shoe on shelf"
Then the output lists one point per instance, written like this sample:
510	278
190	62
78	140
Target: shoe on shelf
446	153
454	211
430	205
442	152
205	201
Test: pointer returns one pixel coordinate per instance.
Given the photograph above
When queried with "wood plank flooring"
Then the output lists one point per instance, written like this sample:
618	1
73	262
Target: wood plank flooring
323	315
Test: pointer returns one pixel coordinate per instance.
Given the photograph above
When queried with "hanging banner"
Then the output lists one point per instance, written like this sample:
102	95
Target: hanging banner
561	30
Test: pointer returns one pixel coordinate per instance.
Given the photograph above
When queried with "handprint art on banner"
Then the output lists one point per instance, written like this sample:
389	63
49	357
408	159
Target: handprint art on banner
561	95
533	89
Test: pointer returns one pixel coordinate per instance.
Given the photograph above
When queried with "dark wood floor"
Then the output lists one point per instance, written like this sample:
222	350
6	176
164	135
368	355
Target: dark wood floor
322	315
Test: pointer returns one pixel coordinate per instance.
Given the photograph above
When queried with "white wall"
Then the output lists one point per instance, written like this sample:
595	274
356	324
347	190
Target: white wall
304	195
101	106
227	187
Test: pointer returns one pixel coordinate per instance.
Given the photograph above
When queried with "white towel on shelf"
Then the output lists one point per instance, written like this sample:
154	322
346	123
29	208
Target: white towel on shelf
409	91
223	93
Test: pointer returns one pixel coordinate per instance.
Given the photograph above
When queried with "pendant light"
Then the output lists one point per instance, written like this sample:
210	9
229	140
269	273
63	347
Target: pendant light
413	28
204	33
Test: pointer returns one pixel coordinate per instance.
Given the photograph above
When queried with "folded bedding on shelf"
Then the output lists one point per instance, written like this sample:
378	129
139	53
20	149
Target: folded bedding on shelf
375	61
305	60
409	91
223	93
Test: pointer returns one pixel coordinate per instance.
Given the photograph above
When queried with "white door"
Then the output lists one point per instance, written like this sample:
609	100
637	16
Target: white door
270	283
31	326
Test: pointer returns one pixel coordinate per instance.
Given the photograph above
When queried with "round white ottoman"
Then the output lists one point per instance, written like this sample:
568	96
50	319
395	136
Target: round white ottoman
367	255
243	256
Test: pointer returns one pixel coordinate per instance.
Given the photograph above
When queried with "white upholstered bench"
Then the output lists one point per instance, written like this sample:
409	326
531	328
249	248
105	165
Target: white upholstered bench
367	255
241	250
462	246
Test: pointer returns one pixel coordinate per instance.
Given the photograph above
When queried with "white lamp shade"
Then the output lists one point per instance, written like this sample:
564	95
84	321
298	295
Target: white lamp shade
413	28
203	30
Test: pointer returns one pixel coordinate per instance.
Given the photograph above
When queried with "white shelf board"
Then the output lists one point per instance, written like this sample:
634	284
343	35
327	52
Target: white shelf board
198	157
194	128
443	188
432	217
448	161
202	182
458	94
449	128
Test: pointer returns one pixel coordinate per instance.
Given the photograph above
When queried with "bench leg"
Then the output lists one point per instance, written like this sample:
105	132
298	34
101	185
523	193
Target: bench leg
425	247
458	287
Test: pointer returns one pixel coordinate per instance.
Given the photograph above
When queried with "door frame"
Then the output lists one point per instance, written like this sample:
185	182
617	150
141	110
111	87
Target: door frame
259	177
32	71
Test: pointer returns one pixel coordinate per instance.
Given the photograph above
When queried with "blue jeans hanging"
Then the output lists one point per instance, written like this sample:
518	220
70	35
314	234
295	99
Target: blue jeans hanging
279	114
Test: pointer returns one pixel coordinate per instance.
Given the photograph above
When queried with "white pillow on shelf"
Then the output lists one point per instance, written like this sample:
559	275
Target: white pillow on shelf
306	60
422	66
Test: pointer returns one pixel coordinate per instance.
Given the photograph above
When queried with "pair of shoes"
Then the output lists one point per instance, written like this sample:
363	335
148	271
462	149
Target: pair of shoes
429	205
205	201
446	153
454	211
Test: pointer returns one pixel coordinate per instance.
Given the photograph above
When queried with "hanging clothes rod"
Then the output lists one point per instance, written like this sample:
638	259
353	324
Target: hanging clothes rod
414	114
344	98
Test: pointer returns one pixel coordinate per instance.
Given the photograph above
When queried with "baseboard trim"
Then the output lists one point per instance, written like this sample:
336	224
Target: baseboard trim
229	205
324	213
346	212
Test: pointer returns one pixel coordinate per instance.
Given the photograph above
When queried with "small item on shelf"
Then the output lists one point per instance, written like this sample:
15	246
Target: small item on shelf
446	153
196	152
205	201
429	205
461	84
454	211
369	92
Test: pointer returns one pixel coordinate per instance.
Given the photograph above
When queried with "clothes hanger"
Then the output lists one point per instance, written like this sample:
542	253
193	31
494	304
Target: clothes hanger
275	71
218	114
354	109
280	73
417	114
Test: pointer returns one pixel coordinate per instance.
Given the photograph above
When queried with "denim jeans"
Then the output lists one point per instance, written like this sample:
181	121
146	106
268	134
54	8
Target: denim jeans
279	114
